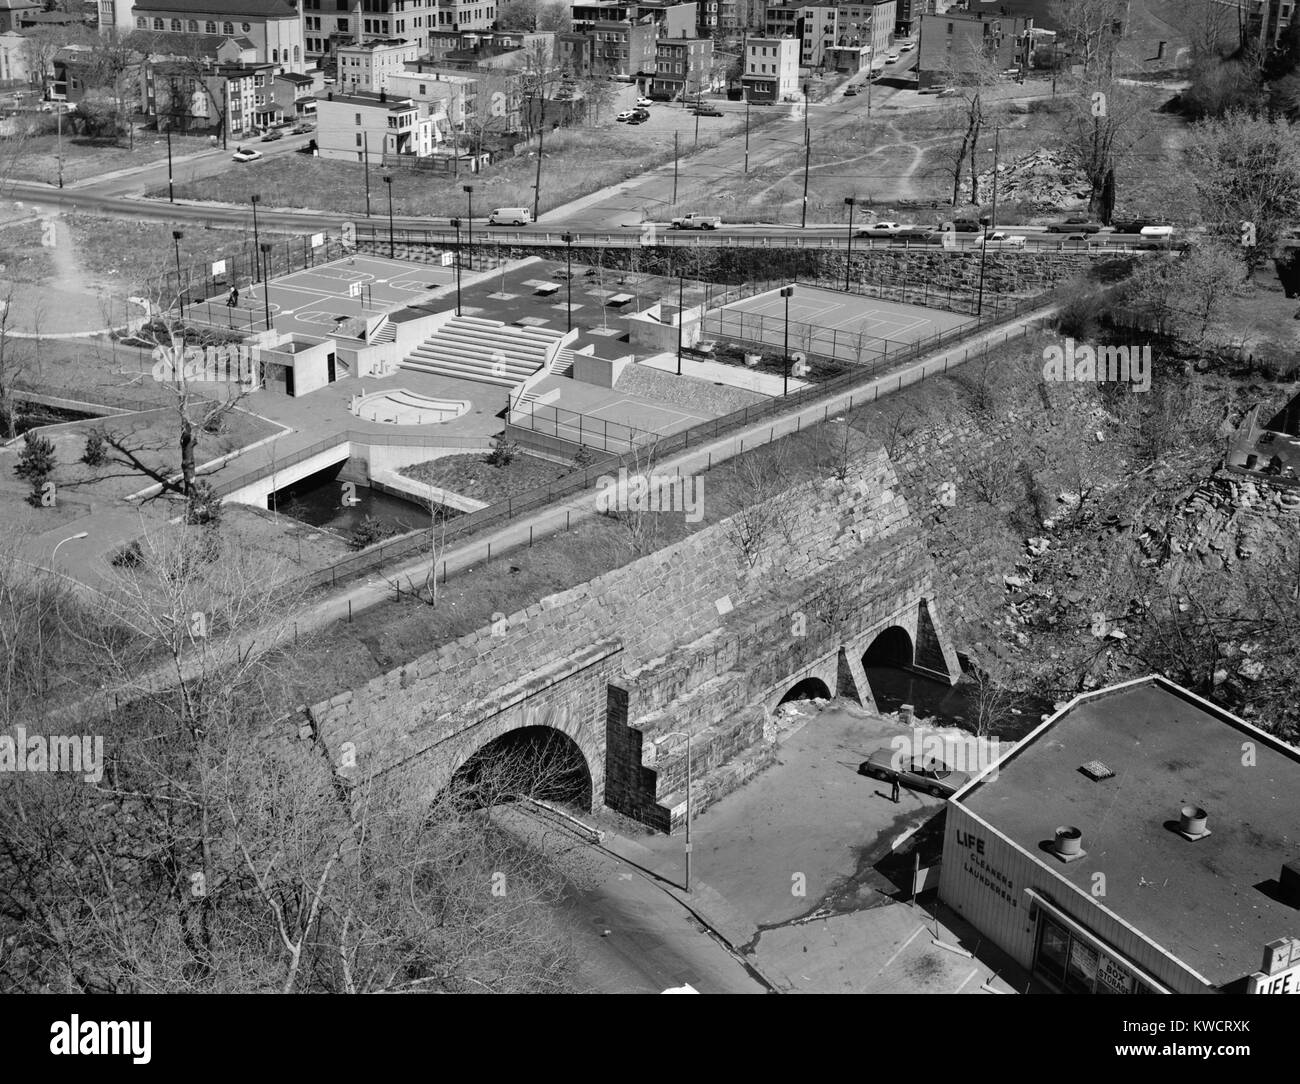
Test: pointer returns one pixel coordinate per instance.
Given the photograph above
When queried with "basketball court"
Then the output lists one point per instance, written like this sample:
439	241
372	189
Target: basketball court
848	327
315	300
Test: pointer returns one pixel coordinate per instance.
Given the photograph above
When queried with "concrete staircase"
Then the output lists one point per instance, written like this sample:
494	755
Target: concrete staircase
486	351
563	363
385	332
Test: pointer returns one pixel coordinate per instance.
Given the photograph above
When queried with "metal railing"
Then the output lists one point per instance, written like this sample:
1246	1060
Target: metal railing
577	428
418	542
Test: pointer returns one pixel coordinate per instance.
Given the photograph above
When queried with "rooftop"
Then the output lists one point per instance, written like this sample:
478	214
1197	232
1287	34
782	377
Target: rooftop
258	9
368	98
1212	903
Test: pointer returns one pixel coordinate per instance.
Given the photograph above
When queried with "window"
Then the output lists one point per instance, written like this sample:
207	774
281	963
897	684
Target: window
358	122
358	141
157	24
227	28
297	53
245	27
142	23
209	27
192	26
343	23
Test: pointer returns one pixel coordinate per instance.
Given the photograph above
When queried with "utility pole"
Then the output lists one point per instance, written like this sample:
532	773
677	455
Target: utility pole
675	134
388	183
180	285
266	285
807	152
365	156
255	199
60	115
849	202
697	128
541	134
681	314
171	189
786	291
746	93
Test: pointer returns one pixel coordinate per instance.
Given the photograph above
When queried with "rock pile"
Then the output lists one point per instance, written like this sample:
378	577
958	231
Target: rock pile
1044	180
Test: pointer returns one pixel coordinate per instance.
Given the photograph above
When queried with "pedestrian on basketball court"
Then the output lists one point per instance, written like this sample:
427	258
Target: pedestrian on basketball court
894	795
233	299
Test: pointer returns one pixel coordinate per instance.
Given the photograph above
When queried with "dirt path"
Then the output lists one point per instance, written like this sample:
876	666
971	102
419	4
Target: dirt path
69	301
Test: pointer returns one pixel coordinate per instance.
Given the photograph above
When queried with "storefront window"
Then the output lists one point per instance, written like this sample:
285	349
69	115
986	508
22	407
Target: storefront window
1078	967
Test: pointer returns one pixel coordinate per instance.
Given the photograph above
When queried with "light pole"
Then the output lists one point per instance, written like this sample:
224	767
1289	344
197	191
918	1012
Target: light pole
807	153
266	284
568	273
681	291
684	734
786	292
388	183
180	285
849	202
255	199
675	134
171	189
746	130
455	225
60	116
70	538
469	220
365	157
805	110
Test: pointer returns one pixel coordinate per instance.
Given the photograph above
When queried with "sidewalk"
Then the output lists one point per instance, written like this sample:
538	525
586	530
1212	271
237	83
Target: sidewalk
131	171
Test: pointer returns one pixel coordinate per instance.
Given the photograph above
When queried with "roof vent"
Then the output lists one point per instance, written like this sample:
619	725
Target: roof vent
1068	844
1191	822
1096	771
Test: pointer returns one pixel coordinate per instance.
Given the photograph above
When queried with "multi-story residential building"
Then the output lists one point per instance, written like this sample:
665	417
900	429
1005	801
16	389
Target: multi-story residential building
275	27
1267	19
328	24
821	27
450	95
672	20
771	69
368	65
466	14
369	126
683	66
236	99
957	42
296	94
624	49
576	53
720	16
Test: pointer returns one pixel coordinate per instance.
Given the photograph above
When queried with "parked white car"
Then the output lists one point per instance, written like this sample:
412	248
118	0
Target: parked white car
626	115
1003	240
893	58
246	154
880	229
644	102
906	47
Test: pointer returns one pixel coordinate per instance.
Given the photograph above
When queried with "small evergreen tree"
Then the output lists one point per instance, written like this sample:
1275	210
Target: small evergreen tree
96	451
37	460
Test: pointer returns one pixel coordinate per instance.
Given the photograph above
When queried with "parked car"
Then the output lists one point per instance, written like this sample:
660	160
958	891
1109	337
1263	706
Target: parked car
638	119
708	111
906	47
880	229
644	114
246	154
272	134
963	225
303	127
1074	225
625	116
1002	240
892	58
850	92
917	233
930	776
643	101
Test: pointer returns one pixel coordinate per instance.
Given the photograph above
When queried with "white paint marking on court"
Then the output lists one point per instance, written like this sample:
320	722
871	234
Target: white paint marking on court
966	980
901	948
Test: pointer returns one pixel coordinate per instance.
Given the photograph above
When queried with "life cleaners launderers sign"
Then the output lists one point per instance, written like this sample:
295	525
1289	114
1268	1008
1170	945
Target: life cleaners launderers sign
976	865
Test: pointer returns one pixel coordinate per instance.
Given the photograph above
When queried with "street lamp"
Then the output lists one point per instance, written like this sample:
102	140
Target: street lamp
469	221
70	538
455	225
255	199
171	189
684	734
388	183
786	293
568	273
266	284
180	285
849	202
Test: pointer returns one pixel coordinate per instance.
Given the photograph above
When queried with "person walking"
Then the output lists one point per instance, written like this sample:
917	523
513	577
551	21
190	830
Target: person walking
894	796
233	300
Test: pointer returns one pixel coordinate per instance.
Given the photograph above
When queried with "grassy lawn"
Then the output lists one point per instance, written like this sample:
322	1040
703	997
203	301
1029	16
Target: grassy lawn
473	476
577	161
22	256
123	256
84	158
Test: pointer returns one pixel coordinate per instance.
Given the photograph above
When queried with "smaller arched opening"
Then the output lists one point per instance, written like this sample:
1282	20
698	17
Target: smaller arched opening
537	762
893	647
809	688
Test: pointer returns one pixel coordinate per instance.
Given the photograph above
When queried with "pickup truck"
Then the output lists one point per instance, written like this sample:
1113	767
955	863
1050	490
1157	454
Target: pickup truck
696	222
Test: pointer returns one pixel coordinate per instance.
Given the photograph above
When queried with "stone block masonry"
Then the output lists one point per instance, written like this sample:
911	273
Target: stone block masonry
701	637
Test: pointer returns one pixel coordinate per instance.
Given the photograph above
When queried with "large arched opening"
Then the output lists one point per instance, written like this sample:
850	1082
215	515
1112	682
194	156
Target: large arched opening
530	762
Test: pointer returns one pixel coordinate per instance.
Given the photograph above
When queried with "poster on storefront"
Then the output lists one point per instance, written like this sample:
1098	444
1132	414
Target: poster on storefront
1112	978
1083	962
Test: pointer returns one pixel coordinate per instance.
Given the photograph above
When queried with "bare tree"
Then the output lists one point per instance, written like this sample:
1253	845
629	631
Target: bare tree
971	70
1107	122
15	361
757	480
1087	27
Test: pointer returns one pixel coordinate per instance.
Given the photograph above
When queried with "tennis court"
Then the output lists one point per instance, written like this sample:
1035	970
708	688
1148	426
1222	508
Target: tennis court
830	323
315	300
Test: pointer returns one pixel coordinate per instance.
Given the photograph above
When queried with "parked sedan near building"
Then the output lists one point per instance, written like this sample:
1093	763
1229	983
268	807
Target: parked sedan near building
928	776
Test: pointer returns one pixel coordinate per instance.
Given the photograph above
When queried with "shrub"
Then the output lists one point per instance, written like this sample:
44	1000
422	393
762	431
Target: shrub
1081	315
503	452
96	451
129	556
203	506
37	459
368	532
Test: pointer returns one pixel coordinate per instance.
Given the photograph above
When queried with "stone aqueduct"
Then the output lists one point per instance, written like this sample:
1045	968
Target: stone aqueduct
702	637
